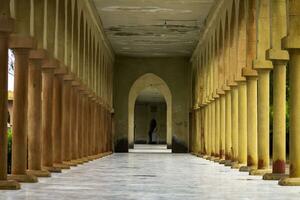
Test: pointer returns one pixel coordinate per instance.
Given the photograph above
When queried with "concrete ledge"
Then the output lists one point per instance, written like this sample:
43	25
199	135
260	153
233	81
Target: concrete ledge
289	182
77	162
228	163
246	168
52	169
9	185
237	165
222	161
291	42
274	176
23	178
61	166
21	42
39	173
70	163
259	172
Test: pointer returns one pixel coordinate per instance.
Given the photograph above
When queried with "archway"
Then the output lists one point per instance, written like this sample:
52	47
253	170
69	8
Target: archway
149	80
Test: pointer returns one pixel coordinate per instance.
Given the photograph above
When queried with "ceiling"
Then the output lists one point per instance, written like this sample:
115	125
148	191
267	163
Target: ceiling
153	28
150	94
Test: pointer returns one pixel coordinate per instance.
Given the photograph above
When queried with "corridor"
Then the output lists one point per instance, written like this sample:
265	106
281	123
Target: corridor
152	176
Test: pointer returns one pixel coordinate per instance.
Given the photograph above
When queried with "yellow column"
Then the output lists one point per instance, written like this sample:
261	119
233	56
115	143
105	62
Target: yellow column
279	58
222	128
242	124
234	124
292	44
251	119
213	129
263	68
217	130
228	145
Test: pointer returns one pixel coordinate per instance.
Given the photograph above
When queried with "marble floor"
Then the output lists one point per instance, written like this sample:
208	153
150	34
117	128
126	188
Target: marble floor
152	176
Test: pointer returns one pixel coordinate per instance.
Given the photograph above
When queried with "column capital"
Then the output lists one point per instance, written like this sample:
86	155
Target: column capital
62	70
69	77
277	55
21	42
291	42
249	72
220	91
232	84
240	78
262	64
38	54
226	88
50	64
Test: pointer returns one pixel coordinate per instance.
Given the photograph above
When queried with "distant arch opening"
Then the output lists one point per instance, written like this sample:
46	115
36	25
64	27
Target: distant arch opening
151	90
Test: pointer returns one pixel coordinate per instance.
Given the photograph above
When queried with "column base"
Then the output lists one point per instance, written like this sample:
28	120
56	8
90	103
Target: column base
274	176
23	178
81	161
77	161
52	169
39	173
228	163
289	181
216	159
91	158
9	185
259	172
222	161
70	163
61	166
246	168
236	165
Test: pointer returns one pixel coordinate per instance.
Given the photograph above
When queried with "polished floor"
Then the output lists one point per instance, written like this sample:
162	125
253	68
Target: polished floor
152	176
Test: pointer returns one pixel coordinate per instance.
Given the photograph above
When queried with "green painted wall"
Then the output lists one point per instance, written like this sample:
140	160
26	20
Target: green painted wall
175	72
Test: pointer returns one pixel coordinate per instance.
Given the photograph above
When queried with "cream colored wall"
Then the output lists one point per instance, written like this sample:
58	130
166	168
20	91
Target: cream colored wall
142	117
175	72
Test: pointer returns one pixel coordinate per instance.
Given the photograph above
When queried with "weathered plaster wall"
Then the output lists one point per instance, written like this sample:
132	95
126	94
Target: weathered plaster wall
175	72
144	113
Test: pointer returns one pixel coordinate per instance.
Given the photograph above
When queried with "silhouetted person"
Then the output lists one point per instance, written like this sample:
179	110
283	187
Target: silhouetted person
152	128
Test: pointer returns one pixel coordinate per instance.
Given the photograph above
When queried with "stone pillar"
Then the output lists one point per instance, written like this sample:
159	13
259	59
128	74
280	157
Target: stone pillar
21	46
66	138
47	95
292	44
73	122
35	114
234	123
90	127
228	154
222	128
263	123
213	129
217	120
6	27
57	118
79	126
251	119
94	125
208	130
263	68
242	124
280	59
85	127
